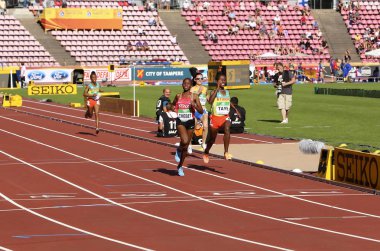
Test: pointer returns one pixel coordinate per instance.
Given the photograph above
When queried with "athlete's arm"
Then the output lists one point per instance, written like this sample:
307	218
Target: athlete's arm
197	104
85	94
175	100
212	96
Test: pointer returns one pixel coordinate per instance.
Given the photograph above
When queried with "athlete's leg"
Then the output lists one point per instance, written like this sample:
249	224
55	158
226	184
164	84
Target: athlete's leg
204	120
210	143
96	109
226	138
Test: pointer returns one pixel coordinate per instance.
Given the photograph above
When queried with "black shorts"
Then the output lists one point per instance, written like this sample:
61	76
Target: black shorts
189	125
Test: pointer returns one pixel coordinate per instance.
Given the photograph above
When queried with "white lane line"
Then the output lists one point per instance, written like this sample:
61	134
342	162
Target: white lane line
233	136
317	192
130	208
195	170
30	194
145	202
79	118
5	249
194	196
211	197
324	217
70	226
49	196
78	110
232	193
86	162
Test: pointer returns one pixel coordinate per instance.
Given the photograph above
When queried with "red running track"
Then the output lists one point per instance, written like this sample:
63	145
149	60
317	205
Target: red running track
64	188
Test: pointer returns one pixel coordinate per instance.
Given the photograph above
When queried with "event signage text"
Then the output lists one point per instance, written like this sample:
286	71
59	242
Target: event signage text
82	18
102	74
52	89
357	168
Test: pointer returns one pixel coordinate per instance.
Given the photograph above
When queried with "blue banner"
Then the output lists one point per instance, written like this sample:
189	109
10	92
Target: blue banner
172	74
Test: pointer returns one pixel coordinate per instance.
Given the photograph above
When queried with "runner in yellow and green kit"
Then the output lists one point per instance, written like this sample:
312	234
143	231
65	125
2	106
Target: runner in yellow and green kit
201	91
220	102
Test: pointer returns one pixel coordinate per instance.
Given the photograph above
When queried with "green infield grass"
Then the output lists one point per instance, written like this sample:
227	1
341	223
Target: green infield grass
354	121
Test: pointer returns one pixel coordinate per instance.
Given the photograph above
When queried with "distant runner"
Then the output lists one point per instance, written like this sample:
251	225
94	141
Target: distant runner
92	96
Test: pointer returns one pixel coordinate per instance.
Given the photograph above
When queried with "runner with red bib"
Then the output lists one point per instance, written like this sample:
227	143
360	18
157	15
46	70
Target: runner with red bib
185	103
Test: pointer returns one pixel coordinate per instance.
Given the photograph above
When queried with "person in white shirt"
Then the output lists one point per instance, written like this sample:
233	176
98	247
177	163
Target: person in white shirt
173	39
206	5
140	30
186	5
22	75
277	19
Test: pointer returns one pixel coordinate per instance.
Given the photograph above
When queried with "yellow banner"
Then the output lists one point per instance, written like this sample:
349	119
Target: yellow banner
78	18
52	89
357	168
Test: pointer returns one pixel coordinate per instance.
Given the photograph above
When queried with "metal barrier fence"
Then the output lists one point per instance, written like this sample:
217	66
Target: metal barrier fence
348	92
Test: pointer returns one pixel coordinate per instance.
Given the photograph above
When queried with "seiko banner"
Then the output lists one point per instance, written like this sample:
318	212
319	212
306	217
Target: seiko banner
52	89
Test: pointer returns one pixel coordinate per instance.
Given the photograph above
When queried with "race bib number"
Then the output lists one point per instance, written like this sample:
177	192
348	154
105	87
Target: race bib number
222	108
184	115
202	100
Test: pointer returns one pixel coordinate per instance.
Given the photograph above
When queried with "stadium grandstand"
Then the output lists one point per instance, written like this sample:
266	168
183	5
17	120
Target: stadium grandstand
18	46
260	31
363	22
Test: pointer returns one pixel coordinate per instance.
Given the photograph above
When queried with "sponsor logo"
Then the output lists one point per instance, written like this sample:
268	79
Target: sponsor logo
357	168
36	75
140	73
59	75
62	13
52	89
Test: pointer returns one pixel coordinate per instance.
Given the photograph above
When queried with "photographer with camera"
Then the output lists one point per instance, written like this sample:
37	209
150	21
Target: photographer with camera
283	81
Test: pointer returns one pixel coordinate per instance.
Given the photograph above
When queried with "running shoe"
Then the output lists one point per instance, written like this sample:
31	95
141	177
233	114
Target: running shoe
97	130
177	156
227	156
189	149
87	115
206	159
180	171
204	146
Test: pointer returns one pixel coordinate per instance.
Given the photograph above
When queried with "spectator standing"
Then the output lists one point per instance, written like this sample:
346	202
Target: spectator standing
3	6
283	81
23	75
173	39
186	5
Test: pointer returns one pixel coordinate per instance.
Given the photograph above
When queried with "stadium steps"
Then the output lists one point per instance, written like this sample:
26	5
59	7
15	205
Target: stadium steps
335	31
186	38
50	44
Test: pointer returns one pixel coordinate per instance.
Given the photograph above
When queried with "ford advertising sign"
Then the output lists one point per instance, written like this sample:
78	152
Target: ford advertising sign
49	75
36	75
60	75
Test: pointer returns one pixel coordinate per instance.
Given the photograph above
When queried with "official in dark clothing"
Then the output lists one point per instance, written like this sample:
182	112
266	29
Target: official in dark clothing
161	105
283	81
237	116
